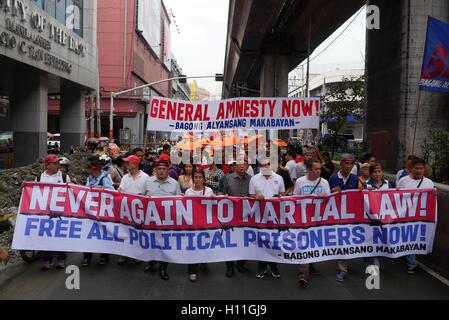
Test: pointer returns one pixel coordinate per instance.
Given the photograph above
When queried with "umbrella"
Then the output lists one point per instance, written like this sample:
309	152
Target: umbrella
253	138
224	142
280	143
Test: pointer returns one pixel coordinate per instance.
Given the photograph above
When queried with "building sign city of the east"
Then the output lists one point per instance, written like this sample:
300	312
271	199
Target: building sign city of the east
32	34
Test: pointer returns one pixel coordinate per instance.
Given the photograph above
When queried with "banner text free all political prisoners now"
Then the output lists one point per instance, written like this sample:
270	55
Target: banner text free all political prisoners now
245	113
184	230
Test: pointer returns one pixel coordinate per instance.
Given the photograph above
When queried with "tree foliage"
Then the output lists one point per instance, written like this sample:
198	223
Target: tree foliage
343	99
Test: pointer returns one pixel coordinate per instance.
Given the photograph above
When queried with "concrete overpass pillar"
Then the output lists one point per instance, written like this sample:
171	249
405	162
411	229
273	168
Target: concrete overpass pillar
274	76
29	111
394	61
274	80
72	117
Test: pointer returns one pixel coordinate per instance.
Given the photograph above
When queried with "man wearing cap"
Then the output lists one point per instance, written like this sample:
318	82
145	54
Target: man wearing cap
134	182
98	179
174	171
266	185
53	175
162	185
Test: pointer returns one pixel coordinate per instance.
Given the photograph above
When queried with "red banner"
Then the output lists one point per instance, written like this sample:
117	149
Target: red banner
184	213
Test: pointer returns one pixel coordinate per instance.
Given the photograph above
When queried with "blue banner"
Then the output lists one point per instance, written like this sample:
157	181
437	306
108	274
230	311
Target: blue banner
435	71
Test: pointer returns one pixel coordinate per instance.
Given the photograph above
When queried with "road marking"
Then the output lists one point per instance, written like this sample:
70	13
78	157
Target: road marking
434	274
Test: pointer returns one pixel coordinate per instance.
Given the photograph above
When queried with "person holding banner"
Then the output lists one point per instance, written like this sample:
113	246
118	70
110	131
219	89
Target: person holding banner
375	183
134	182
237	185
52	174
162	185
98	179
266	185
416	180
198	189
311	184
343	180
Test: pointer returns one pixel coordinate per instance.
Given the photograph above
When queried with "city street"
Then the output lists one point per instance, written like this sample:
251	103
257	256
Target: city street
130	282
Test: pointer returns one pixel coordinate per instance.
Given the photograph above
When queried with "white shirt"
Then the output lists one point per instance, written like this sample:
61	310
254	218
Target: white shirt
384	186
291	167
269	188
250	171
207	192
410	184
355	171
138	185
399	175
301	170
55	178
304	187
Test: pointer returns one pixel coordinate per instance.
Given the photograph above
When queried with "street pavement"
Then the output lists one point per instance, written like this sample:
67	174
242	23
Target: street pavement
130	282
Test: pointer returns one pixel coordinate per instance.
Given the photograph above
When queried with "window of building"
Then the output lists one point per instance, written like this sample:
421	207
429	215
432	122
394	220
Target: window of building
67	12
50	7
39	3
60	11
74	16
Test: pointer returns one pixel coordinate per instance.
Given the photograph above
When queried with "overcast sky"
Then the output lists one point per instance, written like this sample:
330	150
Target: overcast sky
200	46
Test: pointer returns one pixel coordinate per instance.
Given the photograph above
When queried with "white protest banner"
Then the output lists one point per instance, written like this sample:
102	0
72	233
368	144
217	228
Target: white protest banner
241	113
291	230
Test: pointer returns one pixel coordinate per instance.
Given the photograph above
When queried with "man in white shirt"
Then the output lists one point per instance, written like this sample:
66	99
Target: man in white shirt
311	184
53	175
266	185
406	171
291	165
134	182
415	180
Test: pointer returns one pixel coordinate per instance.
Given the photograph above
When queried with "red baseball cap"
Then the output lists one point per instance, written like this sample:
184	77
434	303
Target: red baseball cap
52	158
164	157
134	159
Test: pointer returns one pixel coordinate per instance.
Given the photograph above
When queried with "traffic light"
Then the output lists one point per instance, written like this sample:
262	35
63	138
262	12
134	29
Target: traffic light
219	77
183	78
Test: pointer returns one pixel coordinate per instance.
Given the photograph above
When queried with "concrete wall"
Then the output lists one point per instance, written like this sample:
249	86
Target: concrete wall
394	60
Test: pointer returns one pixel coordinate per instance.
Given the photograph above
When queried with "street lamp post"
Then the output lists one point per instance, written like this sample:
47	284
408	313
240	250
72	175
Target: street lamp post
218	77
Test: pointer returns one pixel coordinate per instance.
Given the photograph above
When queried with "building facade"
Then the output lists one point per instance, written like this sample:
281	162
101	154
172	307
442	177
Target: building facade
179	89
47	49
134	49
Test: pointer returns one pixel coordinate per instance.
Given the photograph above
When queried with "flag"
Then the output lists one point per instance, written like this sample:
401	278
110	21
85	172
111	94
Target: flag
435	70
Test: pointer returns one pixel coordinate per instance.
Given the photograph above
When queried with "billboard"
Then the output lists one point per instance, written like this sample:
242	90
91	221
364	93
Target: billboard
149	23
